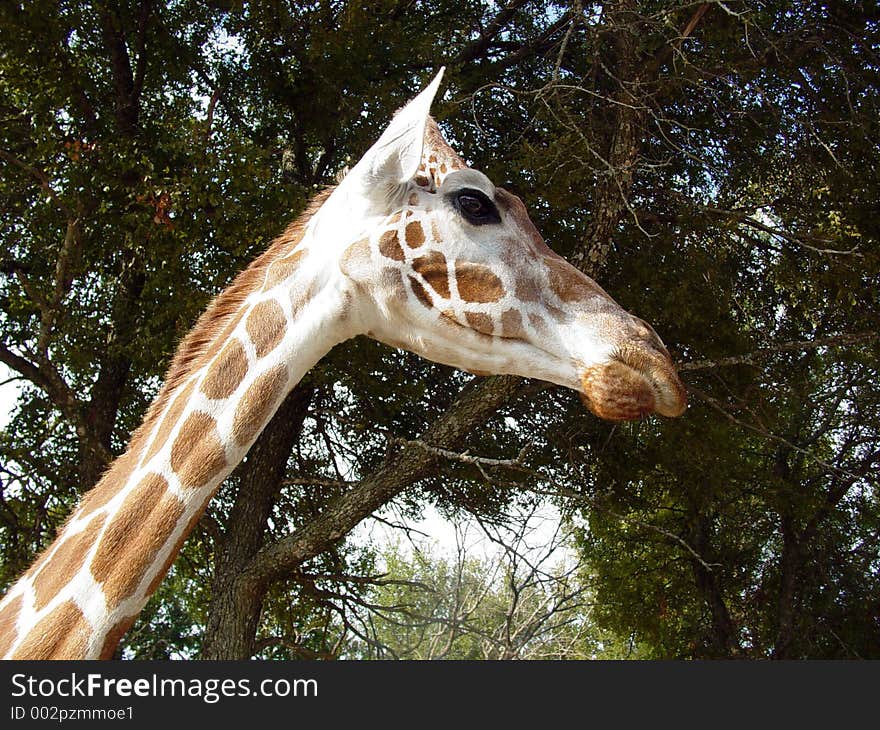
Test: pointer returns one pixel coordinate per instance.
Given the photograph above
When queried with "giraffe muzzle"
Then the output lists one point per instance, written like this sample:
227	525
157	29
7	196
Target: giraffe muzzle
635	383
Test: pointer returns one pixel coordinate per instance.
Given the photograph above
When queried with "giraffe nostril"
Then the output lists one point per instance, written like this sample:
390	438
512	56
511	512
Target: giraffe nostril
652	361
647	334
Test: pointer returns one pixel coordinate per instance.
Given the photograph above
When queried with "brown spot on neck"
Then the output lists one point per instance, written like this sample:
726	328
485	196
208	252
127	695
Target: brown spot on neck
114	636
356	255
63	634
265	326
512	325
160	574
197	455
258	403
128	547
420	292
282	269
8	624
226	372
171	419
480	322
65	563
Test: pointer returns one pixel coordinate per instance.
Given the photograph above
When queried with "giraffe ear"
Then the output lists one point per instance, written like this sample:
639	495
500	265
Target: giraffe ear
395	158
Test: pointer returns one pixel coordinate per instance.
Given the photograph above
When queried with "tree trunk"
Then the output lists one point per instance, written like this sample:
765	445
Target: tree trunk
724	644
230	635
103	408
233	615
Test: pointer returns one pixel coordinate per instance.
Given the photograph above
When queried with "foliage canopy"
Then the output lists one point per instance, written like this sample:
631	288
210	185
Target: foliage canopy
717	166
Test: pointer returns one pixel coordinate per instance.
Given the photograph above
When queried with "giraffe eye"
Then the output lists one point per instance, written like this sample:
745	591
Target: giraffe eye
476	207
471	205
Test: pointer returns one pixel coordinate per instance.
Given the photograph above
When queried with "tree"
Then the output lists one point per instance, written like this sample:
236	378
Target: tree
714	164
524	600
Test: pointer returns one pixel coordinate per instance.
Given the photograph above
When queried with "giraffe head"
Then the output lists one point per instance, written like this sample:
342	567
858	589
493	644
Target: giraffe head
447	265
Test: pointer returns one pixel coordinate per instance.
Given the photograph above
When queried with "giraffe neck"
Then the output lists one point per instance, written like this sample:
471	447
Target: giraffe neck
88	587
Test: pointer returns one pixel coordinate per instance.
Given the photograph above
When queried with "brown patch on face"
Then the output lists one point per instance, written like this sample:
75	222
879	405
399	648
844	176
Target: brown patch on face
433	270
420	292
422	181
617	392
265	326
282	269
442	168
8	620
63	634
512	324
197	454
415	234
569	284
113	637
256	405
171	419
413	198
389	246
65	563
527	290
226	372
537	322
480	322
134	537
477	283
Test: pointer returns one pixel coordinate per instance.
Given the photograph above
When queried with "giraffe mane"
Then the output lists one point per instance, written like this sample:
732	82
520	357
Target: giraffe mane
220	313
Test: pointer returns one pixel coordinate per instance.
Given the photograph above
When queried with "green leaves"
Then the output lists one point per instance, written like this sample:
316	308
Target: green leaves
742	209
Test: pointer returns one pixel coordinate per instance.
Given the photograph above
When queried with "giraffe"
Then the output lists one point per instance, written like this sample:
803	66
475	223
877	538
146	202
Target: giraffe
413	248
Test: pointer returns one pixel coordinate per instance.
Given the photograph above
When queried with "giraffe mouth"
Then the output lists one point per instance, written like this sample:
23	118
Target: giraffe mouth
633	385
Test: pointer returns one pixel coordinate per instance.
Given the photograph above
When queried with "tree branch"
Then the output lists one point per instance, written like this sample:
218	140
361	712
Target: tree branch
851	338
396	472
478	47
39	176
